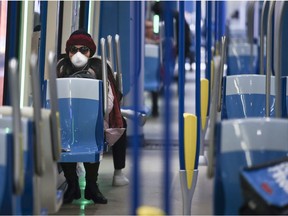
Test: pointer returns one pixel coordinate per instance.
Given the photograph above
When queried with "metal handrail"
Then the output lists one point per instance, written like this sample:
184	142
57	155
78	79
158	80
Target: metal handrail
223	57
162	35
110	51
213	119
118	64
250	29
269	56
39	162
216	100
104	75
263	31
283	5
18	168
54	115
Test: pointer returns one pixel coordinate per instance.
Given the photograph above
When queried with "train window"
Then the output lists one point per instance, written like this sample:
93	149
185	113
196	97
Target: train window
3	23
37	20
36	27
75	17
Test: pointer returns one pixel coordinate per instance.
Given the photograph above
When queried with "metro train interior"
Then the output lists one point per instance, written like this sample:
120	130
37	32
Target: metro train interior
204	95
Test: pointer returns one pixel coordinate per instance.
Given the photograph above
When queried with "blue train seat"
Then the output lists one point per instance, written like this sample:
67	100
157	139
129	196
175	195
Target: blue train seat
241	143
152	79
44	197
27	197
239	59
244	96
51	198
81	119
6	169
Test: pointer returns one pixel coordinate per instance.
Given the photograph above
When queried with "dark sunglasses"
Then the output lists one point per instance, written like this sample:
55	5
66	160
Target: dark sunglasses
84	50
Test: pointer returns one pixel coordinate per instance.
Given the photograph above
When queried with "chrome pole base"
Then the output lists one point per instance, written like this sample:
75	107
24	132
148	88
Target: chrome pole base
187	193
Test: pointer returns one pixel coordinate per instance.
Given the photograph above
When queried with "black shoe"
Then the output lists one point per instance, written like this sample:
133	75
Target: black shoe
92	192
72	192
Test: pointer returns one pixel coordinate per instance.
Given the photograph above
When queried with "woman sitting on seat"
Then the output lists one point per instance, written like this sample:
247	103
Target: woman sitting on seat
80	47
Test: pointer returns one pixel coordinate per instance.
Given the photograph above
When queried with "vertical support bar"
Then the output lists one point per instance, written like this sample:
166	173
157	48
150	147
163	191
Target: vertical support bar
136	41
18	168
57	28
110	51
54	114
269	57
198	76
222	18
279	56
208	44
86	16
216	26
104	71
118	65
181	84
44	9
223	58
37	117
168	19
263	32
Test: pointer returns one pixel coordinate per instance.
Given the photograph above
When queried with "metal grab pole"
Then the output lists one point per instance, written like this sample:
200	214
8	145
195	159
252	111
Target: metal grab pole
269	57
216	24
18	169
37	117
118	64
278	52
136	12
110	52
263	32
209	43
223	57
167	94
104	75
54	115
181	86
198	79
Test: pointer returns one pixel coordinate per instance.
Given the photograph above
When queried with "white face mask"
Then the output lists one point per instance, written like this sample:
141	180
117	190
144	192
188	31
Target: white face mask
79	60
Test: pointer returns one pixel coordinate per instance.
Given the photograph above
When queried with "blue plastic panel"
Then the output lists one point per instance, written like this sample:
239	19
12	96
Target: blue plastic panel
79	130
241	65
246	105
245	96
80	103
240	60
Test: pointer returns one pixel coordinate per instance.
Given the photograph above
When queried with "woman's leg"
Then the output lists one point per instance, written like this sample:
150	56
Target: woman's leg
119	159
73	190
119	152
91	190
155	111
